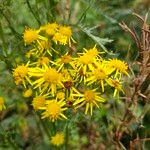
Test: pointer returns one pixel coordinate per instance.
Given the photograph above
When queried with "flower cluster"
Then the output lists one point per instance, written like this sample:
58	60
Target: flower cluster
63	80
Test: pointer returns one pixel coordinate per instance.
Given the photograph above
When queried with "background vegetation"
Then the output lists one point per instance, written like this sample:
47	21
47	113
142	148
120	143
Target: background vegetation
93	21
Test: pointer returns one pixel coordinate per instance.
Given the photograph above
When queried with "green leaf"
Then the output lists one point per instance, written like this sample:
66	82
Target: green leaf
100	41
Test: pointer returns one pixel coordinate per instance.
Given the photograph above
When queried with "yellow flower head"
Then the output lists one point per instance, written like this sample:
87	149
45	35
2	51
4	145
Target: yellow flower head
63	61
88	98
66	59
60	95
100	74
57	139
52	76
27	93
92	52
59	38
38	102
20	74
54	110
63	36
116	84
87	59
51	28
30	35
43	60
2	105
66	31
119	66
47	79
21	71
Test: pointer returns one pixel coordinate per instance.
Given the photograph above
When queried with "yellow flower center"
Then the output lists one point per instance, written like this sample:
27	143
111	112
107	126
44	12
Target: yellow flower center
30	35
54	110
66	31
52	76
92	52
100	74
89	96
51	29
66	59
86	59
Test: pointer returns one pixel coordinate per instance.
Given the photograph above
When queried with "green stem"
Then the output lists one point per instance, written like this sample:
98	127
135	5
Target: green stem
45	128
66	136
38	122
47	8
34	14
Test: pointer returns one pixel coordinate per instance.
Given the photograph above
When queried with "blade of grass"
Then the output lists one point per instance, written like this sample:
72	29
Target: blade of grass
34	14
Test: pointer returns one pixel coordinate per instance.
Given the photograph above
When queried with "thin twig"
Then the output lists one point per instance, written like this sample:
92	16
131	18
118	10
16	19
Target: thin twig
35	16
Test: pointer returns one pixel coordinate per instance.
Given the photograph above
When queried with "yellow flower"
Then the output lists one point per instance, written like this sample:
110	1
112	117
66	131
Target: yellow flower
57	139
92	52
59	38
66	59
38	102
47	79
51	28
63	36
86	61
63	61
60	95
120	66
27	93
65	30
42	61
30	35
100	74
54	110
117	85
2	106
88	98
20	75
